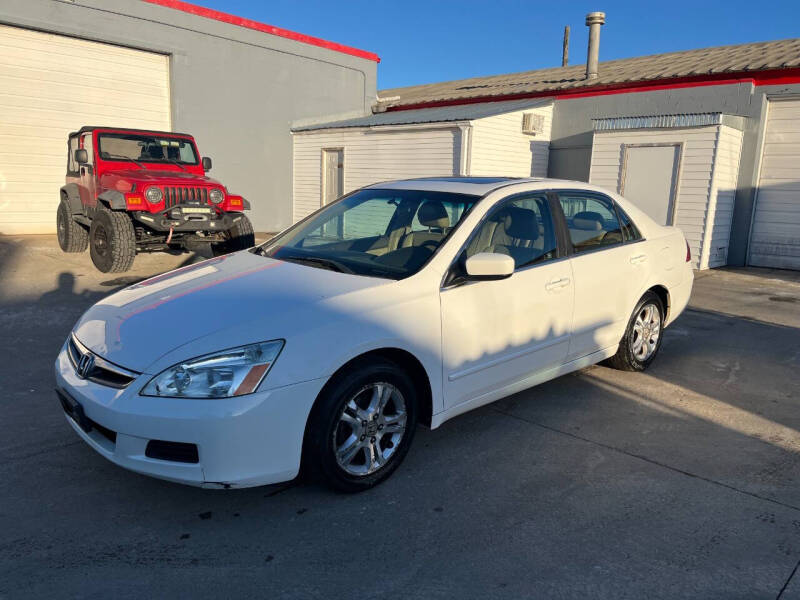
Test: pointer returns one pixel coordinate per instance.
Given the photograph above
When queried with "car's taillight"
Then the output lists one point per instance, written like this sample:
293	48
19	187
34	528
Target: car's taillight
688	252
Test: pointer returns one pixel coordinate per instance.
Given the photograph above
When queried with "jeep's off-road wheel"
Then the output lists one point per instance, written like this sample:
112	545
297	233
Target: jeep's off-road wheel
112	241
642	338
72	236
238	237
361	426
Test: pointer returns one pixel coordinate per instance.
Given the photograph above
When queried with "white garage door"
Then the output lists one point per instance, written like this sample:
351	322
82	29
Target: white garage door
51	85
775	238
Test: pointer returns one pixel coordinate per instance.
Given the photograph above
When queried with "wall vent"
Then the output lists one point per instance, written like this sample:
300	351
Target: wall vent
532	123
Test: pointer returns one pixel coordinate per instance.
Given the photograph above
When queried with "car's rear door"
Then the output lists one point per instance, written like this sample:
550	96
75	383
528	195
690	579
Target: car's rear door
608	266
496	333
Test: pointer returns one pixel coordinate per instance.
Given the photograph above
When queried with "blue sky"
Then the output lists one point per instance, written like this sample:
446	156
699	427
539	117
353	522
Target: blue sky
435	40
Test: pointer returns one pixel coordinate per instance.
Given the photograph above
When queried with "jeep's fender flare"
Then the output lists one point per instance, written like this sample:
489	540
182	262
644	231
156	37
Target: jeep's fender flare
114	199
73	196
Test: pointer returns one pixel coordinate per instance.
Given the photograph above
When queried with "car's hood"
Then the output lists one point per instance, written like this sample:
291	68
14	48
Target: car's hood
139	324
163	176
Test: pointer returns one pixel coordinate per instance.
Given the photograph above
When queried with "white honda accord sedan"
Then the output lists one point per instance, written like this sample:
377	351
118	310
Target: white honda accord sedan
401	303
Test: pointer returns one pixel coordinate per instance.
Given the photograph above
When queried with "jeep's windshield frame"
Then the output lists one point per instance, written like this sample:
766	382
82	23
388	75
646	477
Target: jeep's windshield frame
146	148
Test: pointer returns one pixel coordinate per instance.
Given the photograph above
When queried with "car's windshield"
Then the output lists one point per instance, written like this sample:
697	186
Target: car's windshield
374	232
146	148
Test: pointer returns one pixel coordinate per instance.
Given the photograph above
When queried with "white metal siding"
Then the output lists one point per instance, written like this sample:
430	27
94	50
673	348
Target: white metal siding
694	183
775	237
720	211
371	156
51	85
500	148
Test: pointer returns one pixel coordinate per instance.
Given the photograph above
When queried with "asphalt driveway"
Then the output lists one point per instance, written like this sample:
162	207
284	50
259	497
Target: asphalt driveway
680	482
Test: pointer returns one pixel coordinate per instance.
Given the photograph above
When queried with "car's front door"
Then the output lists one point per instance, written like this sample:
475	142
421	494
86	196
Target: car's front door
496	333
88	186
608	271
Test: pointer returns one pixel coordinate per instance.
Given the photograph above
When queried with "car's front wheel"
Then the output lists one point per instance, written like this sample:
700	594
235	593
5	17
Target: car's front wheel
112	241
238	237
642	339
361	426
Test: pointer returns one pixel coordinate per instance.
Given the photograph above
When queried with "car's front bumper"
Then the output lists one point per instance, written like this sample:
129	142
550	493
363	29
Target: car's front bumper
243	441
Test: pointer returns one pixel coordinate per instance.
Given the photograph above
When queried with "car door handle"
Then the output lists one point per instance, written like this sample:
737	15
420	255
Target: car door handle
555	284
639	258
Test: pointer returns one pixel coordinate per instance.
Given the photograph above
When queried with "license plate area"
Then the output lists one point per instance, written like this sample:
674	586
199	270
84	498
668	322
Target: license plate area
74	410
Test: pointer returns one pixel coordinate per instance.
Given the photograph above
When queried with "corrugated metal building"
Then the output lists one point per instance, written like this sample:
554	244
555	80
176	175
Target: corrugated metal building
162	64
708	140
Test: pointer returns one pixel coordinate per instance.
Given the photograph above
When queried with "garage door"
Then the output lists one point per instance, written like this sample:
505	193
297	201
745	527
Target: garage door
51	85
775	238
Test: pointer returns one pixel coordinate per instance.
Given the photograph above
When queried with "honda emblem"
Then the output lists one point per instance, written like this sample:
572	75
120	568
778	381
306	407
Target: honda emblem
85	365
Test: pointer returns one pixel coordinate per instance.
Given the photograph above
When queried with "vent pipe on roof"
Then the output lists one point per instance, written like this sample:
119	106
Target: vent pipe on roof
594	21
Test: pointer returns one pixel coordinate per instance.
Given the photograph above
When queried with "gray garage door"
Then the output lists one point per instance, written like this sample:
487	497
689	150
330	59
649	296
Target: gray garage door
775	237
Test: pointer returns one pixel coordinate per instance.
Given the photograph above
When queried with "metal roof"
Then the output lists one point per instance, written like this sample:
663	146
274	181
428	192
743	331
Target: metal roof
462	112
761	56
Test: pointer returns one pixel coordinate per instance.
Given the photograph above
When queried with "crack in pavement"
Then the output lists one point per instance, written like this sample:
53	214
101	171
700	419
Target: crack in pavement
786	585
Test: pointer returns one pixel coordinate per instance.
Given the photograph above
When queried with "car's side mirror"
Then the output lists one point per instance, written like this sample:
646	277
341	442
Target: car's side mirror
81	156
488	266
206	163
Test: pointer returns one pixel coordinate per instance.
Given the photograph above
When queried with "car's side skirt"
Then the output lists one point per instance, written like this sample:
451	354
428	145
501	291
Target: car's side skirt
523	384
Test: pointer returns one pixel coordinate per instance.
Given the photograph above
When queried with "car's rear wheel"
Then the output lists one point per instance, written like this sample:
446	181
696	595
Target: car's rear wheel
642	339
238	237
362	425
112	241
72	237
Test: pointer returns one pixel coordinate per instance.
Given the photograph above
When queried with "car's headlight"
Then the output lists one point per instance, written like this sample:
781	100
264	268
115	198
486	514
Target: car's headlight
232	372
216	196
153	194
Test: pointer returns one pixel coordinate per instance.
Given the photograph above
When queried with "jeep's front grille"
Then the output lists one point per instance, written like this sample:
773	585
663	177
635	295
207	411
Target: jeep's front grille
94	368
185	195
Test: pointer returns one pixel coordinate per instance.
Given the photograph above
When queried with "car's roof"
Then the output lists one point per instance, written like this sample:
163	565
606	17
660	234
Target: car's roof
87	128
476	186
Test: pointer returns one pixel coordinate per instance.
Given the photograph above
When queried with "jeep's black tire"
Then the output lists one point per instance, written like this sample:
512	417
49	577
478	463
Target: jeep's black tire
72	236
327	431
633	354
238	237
112	241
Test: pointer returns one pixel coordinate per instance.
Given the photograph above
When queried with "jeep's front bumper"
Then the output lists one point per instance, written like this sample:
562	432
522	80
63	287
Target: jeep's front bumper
188	218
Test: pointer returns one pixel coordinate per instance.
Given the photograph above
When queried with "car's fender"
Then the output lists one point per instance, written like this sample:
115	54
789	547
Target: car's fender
113	199
73	195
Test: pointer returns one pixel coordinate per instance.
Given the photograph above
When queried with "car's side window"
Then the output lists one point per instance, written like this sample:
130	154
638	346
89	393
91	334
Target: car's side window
629	231
72	166
592	221
522	228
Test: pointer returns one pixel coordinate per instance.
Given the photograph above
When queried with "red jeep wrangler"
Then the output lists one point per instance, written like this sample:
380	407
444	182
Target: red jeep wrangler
130	191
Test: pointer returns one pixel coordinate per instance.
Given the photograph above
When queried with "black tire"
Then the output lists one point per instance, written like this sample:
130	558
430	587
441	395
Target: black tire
238	237
112	241
72	236
325	431
627	357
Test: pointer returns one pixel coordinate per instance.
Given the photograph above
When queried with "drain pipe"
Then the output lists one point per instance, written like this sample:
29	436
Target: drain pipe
594	21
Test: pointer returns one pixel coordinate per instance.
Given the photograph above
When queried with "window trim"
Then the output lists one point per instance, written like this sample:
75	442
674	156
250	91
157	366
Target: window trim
71	156
562	252
597	195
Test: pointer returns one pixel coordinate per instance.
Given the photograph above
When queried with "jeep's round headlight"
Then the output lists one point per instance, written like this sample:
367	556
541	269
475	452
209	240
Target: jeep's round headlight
153	195
232	372
216	196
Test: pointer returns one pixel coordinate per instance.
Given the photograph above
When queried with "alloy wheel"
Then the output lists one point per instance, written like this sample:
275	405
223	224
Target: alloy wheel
370	428
646	331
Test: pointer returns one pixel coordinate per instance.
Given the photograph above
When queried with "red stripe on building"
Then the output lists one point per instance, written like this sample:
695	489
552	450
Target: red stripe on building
774	77
263	27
